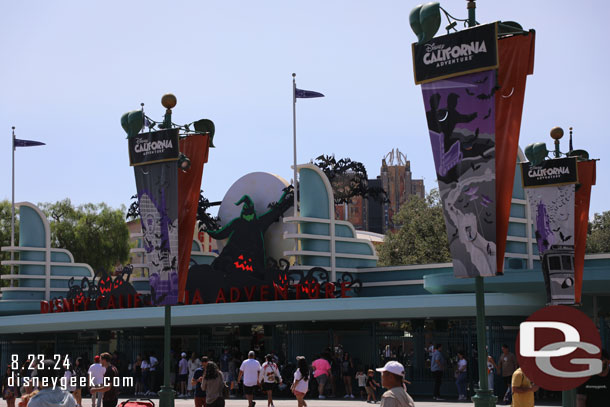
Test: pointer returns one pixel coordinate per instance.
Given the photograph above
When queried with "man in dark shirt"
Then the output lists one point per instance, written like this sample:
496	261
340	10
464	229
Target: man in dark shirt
196	382
596	391
111	393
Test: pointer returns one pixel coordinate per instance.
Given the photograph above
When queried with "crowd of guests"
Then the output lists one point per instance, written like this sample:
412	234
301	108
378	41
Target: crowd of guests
208	382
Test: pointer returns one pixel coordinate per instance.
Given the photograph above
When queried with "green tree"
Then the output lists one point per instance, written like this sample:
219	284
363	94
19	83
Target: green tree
598	238
421	237
94	233
5	236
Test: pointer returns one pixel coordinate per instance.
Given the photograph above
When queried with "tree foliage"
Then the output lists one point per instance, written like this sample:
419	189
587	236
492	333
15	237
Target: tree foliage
348	179
421	237
5	236
94	233
598	239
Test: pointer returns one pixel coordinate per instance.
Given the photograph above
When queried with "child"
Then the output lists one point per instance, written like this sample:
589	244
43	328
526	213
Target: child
361	377
371	386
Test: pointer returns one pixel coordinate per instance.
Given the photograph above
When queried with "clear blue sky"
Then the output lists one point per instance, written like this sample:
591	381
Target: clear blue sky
70	69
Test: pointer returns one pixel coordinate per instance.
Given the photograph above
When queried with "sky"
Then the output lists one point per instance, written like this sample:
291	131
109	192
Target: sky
70	69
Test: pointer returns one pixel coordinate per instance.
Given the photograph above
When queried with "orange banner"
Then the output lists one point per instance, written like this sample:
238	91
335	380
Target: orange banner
196	148
516	56
586	179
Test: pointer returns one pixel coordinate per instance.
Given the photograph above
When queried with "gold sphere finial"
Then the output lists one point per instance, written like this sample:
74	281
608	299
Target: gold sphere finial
169	101
556	133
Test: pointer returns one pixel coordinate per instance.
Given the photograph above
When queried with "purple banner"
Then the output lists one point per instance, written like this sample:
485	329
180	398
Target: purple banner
461	121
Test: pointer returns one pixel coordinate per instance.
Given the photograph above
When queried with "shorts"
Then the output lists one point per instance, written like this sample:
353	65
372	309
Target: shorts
226	377
249	389
182	377
370	391
200	402
361	388
322	379
268	386
298	393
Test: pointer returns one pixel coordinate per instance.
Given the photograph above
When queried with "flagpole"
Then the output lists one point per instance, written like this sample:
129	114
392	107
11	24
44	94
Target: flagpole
294	139
13	207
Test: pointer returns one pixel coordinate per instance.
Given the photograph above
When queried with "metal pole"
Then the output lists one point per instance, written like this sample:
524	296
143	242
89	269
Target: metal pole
13	206
294	140
167	394
484	396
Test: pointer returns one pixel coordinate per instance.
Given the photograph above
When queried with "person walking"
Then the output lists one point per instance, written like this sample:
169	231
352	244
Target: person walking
492	368
507	364
137	375
146	375
522	390
9	393
49	395
154	364
321	372
225	358
110	392
300	385
347	371
96	375
596	391
183	373
460	377
392	378
361	378
437	366
269	376
193	364
213	385
200	394
371	387
249	371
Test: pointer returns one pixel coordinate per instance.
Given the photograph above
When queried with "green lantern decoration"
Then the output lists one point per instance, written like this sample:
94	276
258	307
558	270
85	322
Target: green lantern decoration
425	19
536	153
132	122
205	126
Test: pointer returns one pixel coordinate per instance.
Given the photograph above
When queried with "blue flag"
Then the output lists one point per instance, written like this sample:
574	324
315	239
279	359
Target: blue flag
26	143
300	93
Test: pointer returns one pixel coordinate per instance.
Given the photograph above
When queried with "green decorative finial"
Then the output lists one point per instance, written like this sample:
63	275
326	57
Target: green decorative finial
536	153
132	122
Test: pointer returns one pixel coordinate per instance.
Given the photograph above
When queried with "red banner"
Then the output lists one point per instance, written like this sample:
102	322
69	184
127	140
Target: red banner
196	148
516	56
586	179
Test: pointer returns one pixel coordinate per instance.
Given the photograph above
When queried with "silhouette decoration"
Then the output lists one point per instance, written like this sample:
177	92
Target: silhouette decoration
242	272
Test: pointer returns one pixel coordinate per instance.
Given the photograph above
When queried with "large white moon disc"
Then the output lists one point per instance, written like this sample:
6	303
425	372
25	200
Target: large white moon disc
263	188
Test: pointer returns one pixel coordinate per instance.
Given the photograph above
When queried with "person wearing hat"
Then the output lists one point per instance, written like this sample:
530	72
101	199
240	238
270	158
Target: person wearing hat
183	373
96	374
392	376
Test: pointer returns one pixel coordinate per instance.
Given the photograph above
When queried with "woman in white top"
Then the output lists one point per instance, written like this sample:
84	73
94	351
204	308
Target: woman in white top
460	378
268	376
193	364
301	381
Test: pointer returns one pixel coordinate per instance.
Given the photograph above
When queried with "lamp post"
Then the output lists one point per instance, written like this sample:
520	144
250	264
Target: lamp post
483	397
167	393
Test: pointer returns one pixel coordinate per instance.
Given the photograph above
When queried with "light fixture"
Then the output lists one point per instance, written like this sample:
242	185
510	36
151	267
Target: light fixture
184	163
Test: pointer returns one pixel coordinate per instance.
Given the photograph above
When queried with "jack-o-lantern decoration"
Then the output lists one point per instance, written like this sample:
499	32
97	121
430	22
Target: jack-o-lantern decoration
244	264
